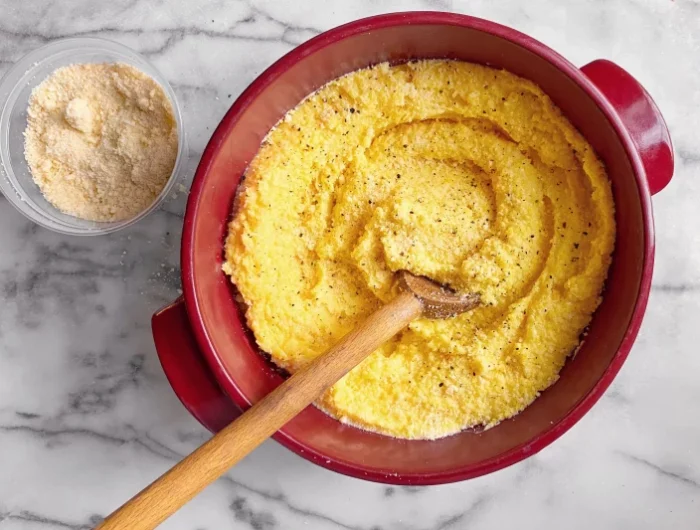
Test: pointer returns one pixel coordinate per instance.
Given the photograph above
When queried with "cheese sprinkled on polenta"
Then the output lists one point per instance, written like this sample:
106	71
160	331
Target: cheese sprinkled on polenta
458	172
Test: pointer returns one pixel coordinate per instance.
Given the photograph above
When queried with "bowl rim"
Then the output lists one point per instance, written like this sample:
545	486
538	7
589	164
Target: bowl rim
23	69
312	46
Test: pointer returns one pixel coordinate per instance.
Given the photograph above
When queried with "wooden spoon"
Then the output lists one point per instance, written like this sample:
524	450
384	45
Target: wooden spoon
419	297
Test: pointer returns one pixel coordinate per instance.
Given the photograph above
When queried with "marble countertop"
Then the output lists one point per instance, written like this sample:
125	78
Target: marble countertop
87	417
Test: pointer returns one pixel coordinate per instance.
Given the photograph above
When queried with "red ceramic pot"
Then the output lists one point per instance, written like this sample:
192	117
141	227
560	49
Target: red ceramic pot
212	361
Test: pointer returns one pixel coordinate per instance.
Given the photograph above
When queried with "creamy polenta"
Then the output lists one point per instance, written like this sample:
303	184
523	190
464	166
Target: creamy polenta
462	173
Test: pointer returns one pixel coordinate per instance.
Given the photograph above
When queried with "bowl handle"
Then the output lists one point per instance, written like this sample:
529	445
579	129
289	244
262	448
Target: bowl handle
641	117
188	373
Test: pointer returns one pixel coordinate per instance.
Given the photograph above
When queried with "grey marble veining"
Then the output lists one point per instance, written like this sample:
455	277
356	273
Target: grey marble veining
87	417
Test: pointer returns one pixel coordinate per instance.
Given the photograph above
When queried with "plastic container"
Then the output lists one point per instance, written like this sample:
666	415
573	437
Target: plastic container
16	87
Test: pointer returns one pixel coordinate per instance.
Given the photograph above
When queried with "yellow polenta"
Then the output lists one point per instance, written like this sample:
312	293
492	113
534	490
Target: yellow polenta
458	172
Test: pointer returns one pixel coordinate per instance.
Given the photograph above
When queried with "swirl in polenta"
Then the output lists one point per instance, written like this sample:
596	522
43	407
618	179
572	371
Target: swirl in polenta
465	174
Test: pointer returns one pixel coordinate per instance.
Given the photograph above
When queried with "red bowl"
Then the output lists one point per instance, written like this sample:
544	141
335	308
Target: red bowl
212	361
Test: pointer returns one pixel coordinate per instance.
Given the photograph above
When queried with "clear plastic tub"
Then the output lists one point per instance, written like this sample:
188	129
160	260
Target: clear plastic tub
16	86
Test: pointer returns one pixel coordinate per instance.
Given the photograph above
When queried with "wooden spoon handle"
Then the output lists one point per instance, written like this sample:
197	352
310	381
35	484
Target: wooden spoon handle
176	487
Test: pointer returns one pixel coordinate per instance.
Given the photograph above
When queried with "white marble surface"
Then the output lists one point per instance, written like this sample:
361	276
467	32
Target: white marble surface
87	417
